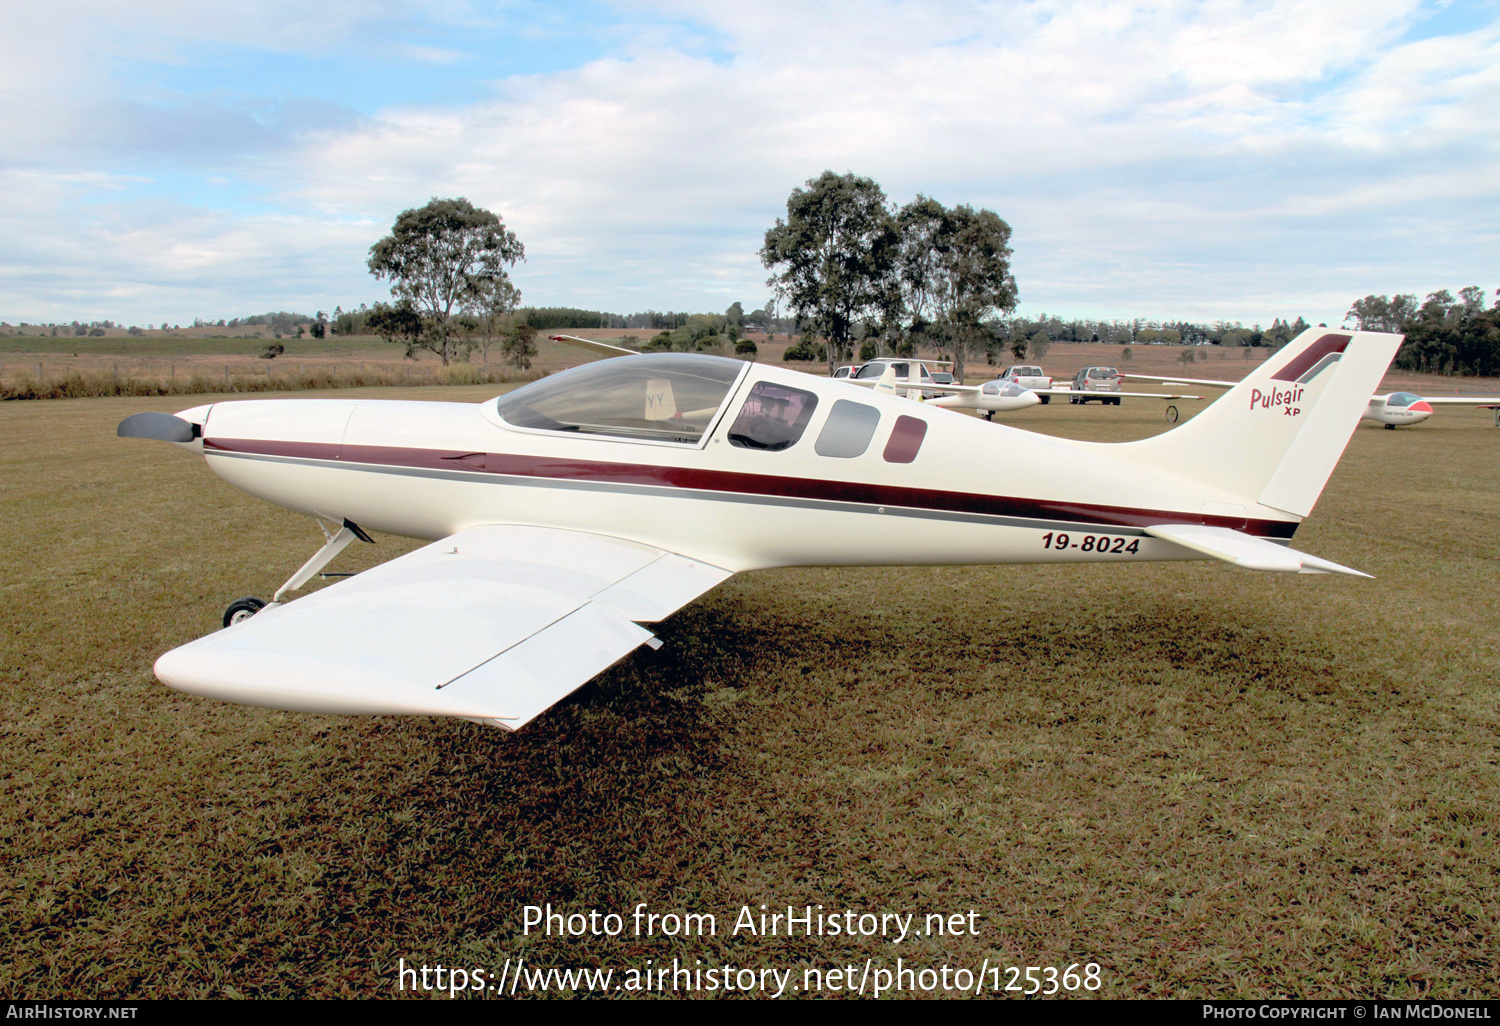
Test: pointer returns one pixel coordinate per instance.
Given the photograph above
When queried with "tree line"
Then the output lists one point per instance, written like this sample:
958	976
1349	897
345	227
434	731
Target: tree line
1444	335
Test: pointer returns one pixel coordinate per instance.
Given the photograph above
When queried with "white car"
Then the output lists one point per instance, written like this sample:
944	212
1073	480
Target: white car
1029	377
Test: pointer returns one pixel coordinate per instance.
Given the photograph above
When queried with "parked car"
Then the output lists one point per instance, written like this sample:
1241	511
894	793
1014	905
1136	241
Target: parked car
1028	377
1096	379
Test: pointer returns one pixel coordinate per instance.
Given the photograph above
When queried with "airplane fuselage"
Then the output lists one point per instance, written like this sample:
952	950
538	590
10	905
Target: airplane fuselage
927	486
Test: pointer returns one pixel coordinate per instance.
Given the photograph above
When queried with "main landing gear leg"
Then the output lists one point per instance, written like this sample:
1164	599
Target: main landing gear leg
334	543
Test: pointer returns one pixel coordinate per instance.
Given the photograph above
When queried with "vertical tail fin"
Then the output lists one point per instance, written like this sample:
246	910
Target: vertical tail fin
1275	438
661	404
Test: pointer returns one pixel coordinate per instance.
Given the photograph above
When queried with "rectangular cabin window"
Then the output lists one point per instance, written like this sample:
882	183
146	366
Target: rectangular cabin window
773	417
848	431
906	439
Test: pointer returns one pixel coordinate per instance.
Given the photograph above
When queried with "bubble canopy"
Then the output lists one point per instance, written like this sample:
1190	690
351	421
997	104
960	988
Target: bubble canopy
664	397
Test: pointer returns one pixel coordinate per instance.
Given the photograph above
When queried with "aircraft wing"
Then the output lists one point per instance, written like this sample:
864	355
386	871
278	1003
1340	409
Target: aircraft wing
493	624
904	384
1210	382
1111	395
1246	551
1466	400
595	346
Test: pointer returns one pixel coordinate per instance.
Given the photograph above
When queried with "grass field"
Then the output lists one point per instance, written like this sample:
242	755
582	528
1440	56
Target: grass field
1209	782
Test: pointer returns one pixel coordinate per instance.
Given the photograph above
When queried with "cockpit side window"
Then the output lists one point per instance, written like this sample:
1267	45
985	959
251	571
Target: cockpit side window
848	430
773	417
664	398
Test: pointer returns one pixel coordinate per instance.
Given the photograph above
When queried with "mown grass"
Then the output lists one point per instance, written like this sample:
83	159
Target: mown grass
1210	782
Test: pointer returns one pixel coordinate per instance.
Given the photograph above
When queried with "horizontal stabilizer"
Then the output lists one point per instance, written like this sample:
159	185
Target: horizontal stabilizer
1246	551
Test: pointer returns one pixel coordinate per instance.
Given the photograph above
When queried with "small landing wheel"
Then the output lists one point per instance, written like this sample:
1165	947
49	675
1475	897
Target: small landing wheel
1171	415
1390	427
1045	399
241	610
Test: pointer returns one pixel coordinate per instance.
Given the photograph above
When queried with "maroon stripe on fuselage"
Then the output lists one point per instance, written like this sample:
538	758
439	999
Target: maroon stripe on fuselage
695	479
1330	343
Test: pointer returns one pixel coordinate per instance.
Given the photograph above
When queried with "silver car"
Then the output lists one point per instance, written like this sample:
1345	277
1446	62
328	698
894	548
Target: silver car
1096	379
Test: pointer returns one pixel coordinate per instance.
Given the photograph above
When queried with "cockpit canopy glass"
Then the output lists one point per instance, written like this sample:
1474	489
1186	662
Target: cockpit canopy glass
1401	399
773	417
667	397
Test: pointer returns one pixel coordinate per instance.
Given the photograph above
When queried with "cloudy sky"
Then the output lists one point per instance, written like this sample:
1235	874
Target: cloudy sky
1246	159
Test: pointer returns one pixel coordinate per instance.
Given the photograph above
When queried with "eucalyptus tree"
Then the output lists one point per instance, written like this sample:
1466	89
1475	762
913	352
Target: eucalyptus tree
445	259
955	266
1379	313
833	257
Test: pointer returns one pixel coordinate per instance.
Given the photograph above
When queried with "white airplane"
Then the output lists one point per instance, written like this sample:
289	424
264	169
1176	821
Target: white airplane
992	397
1393	409
572	510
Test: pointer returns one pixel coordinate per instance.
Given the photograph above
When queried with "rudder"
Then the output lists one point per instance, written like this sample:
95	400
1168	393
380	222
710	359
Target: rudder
1275	437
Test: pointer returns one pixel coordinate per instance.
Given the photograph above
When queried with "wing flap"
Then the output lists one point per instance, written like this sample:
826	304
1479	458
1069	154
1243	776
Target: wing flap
662	587
436	631
1246	551
525	681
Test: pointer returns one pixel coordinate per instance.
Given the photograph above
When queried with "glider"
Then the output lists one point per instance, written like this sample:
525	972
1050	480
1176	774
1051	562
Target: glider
571	511
1392	409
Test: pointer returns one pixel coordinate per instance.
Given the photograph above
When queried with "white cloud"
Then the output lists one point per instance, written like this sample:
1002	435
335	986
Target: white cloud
1212	153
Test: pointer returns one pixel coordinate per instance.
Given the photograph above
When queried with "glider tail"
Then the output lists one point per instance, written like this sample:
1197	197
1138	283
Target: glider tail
1275	437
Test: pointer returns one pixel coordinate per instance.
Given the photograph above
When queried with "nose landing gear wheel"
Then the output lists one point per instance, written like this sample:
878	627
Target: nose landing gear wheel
241	610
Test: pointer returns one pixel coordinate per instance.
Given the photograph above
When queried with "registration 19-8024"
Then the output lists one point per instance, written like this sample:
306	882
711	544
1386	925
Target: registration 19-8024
1110	544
